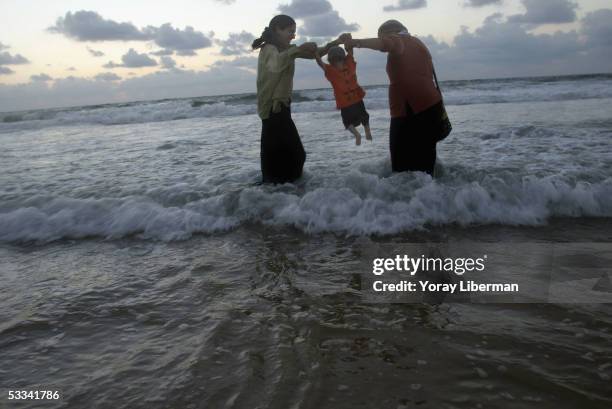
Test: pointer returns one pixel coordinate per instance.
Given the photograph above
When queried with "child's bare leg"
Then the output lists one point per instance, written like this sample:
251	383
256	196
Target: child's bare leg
356	134
367	132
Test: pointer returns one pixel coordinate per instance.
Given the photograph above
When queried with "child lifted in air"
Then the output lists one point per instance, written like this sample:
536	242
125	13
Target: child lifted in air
342	73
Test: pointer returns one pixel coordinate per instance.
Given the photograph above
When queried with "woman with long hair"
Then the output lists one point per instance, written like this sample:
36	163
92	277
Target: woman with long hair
282	152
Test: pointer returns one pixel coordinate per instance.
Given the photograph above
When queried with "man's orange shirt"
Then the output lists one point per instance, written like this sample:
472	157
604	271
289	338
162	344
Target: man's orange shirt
346	89
410	71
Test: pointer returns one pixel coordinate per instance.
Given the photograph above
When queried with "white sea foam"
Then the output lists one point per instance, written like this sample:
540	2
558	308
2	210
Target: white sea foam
368	204
516	164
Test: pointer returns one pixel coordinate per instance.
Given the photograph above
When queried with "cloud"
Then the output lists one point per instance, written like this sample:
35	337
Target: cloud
503	48
71	69
407	5
161	52
220	79
597	26
9	59
167	62
41	77
305	8
546	12
90	26
326	25
6	71
236	43
320	20
68	91
176	39
226	1
175	83
186	53
107	76
248	63
481	3
133	59
498	48
95	53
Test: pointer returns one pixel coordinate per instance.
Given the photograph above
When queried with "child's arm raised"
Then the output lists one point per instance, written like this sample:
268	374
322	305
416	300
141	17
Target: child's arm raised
343	38
319	61
349	49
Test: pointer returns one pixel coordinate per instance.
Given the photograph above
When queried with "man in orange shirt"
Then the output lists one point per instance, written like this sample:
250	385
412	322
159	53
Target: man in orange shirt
342	73
415	101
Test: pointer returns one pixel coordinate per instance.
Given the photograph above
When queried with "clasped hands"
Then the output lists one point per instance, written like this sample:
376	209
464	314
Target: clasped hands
312	48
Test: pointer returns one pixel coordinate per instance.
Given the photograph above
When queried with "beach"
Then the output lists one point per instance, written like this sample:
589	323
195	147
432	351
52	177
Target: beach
144	265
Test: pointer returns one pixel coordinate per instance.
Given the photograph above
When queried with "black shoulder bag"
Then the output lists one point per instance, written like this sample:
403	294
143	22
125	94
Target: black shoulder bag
442	125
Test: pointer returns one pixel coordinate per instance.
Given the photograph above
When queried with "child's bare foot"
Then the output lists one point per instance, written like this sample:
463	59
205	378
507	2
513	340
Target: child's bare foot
368	133
356	134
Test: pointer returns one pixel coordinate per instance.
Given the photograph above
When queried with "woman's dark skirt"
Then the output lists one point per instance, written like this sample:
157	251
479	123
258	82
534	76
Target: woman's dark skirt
282	152
355	115
412	141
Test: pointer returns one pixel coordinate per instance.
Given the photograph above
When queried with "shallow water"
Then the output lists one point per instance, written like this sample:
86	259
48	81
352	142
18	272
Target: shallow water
170	180
273	318
142	265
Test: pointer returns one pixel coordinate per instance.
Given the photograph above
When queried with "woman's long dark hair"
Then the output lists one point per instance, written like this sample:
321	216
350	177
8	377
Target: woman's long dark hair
269	34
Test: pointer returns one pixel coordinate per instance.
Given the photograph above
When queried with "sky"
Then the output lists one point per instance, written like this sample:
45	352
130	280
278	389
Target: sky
79	52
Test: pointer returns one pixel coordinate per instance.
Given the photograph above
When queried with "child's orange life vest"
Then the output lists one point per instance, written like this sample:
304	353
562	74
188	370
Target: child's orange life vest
346	89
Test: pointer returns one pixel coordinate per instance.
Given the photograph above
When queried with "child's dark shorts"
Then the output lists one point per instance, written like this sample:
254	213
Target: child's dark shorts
355	115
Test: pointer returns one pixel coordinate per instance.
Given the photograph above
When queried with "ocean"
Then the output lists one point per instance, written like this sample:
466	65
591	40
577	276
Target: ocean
144	265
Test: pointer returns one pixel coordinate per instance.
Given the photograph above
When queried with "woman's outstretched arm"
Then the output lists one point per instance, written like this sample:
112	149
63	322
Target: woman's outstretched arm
307	50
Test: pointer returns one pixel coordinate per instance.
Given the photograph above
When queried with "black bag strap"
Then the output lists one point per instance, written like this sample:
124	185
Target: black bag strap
436	79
